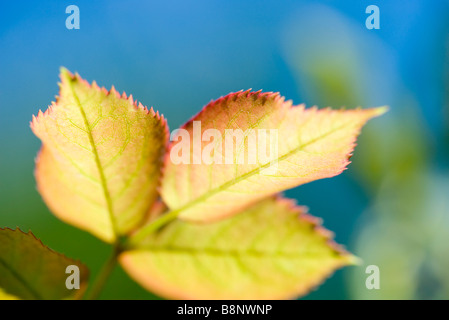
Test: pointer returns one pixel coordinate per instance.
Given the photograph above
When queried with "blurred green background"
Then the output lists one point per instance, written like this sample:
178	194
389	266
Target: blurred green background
391	208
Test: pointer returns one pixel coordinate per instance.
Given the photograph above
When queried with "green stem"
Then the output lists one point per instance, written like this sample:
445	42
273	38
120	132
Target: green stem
138	237
103	275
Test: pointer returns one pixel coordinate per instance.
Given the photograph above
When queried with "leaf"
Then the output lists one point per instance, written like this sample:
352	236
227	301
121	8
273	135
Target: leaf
311	144
30	270
6	296
99	165
272	251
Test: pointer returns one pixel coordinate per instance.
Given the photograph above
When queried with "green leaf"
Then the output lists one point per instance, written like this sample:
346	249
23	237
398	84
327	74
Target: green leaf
100	162
30	270
274	250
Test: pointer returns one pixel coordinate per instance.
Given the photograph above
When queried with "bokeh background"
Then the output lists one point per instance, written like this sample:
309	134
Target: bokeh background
391	207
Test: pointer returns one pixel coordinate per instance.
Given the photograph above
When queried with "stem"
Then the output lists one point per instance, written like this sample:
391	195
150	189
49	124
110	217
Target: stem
150	228
103	275
129	243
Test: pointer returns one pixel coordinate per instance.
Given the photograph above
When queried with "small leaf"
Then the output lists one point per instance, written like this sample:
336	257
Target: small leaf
272	251
311	144
100	161
30	270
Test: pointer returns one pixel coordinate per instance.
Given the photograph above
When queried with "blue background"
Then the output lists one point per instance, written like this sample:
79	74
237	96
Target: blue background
178	55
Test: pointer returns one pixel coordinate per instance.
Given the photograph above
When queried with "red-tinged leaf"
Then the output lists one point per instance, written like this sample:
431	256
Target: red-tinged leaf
99	165
206	180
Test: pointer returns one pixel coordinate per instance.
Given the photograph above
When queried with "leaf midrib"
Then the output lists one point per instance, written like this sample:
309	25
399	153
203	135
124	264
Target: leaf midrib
223	252
103	181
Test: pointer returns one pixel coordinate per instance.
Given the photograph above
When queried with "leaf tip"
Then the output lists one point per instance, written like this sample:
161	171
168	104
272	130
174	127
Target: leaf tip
65	74
353	260
378	111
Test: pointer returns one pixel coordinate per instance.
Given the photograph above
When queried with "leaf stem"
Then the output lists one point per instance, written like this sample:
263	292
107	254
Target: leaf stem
138	237
103	275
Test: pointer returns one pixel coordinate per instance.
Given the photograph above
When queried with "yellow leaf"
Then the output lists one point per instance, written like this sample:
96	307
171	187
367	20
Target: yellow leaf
31	271
273	250
99	165
307	144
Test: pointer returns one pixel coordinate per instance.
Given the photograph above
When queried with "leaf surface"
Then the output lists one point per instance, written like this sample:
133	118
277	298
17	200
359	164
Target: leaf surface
99	165
30	270
311	144
273	250
6	296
